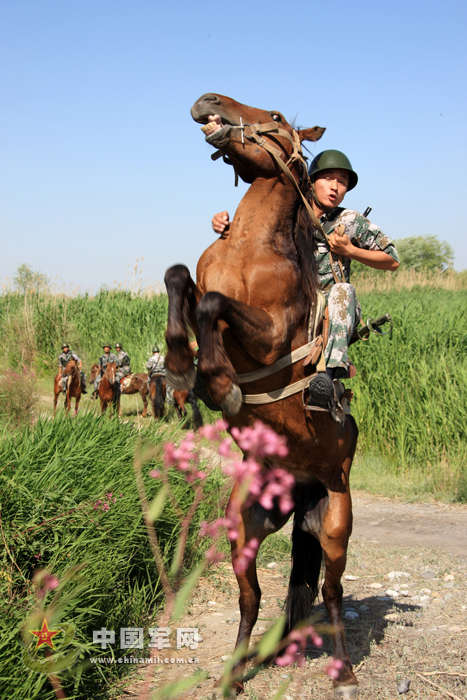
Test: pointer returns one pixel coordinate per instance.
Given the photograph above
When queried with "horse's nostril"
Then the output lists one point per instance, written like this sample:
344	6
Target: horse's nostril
209	97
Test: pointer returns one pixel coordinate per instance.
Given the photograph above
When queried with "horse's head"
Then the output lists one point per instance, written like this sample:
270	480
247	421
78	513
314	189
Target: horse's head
93	373
69	367
110	372
248	138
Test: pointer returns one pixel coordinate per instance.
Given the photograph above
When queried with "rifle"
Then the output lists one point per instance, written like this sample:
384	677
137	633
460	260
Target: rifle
373	325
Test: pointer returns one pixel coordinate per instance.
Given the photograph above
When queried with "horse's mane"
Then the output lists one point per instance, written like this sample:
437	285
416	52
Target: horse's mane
305	244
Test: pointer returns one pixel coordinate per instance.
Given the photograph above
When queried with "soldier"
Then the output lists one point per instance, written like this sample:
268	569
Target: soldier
123	362
155	363
104	360
65	356
349	236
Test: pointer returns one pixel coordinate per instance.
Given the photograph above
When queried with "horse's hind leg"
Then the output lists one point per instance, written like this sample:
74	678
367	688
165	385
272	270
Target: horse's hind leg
182	302
336	528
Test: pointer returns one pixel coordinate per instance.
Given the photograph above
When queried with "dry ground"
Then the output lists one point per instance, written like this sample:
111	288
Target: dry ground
404	604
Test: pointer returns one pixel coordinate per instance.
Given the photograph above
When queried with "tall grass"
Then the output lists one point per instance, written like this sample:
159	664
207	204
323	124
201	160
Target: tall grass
53	475
410	391
41	322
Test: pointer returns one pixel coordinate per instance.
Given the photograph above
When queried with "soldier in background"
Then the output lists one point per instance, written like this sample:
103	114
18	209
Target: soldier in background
123	362
63	359
104	360
155	363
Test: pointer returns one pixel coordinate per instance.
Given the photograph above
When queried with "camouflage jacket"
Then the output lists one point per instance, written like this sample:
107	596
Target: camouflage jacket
65	357
361	232
123	362
105	359
155	364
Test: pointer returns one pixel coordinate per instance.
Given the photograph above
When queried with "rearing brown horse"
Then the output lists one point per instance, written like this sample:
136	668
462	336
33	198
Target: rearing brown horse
73	386
250	307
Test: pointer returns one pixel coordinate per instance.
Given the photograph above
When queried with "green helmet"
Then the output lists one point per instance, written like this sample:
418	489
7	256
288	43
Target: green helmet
65	345
107	345
331	160
117	345
155	348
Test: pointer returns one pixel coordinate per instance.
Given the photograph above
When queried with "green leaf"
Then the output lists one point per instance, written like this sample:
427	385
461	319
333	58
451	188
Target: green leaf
271	638
157	505
185	591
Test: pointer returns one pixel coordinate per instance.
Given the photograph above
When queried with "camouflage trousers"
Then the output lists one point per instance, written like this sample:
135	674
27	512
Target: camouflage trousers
344	316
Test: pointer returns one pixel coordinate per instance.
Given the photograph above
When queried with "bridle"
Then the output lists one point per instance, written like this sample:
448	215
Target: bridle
256	133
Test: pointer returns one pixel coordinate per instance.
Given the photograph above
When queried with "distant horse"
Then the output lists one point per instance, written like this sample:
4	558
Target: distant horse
73	386
250	308
158	395
181	398
109	389
132	384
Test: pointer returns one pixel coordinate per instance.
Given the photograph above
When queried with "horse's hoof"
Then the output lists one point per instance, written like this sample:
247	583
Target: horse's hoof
346	692
181	382
233	401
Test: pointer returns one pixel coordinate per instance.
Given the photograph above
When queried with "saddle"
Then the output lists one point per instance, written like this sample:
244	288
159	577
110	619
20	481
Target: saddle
126	381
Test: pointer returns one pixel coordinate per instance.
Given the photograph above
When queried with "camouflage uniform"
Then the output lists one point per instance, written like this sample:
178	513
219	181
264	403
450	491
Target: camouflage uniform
155	364
123	365
63	360
103	362
343	306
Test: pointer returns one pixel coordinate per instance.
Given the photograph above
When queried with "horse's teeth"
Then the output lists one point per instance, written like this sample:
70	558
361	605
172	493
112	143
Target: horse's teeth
210	128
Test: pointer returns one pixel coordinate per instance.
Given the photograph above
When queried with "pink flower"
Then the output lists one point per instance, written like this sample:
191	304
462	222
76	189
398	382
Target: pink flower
333	668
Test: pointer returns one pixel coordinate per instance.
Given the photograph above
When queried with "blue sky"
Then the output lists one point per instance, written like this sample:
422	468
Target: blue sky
103	168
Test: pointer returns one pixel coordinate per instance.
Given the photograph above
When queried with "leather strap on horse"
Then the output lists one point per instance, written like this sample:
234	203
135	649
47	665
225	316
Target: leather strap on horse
277	394
284	361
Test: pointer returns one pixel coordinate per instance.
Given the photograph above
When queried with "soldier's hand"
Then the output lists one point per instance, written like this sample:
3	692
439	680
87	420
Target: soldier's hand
340	243
221	223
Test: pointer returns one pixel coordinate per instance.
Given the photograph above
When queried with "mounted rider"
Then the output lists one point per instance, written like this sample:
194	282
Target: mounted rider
104	360
65	356
123	363
156	363
346	235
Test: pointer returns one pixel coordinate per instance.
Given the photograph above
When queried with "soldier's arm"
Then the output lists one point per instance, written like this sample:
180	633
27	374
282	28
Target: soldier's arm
366	243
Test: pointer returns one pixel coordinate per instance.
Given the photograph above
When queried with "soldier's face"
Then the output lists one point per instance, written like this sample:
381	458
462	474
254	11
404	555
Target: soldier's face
106	348
331	186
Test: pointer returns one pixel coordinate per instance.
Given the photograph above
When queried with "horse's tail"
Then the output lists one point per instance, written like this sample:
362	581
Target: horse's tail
158	401
306	564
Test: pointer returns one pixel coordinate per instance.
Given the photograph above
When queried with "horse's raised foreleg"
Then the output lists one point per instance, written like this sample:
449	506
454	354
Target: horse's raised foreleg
251	328
182	302
255	522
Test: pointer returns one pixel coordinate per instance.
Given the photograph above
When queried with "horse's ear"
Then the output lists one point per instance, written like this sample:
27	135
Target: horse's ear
312	134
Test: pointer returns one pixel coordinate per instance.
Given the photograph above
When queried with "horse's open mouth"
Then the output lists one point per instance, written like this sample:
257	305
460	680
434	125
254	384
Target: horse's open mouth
217	132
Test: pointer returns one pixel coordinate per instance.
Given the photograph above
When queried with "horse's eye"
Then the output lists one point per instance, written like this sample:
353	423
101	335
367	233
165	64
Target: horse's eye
276	116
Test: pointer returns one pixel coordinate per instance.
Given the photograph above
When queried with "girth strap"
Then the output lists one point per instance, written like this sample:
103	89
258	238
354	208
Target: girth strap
285	361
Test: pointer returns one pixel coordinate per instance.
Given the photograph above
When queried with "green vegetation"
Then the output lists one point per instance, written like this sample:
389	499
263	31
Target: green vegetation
56	478
410	390
33	326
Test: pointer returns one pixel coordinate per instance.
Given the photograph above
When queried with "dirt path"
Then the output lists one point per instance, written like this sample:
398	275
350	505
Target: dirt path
404	607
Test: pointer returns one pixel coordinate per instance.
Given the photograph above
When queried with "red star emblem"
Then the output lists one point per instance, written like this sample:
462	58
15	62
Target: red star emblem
44	635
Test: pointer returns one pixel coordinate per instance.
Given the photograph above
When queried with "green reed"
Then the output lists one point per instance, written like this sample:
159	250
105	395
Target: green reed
53	475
